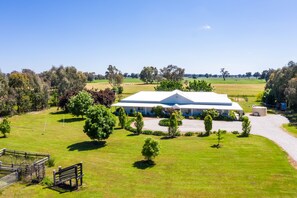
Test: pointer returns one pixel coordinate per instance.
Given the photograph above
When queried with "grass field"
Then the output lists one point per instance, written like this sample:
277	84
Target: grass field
209	80
291	129
235	88
186	167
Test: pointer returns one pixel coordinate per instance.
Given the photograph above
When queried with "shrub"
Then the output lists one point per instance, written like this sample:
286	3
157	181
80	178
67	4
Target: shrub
165	122
120	89
219	137
212	112
50	162
232	115
159	133
246	127
191	118
147	132
189	133
122	117
207	124
5	127
235	132
99	123
173	126
128	126
158	111
47	182
139	122
150	149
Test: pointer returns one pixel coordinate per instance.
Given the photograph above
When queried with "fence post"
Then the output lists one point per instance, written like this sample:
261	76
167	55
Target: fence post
54	174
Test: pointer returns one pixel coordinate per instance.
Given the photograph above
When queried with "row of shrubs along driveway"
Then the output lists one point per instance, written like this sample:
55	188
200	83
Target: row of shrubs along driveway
268	126
192	125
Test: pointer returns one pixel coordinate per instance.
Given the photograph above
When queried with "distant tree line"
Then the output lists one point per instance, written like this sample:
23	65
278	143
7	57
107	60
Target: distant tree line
281	86
27	91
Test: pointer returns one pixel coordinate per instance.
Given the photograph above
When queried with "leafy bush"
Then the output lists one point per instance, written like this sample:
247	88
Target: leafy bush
232	115
139	122
212	112
99	123
150	149
47	182
50	162
120	89
208	124
159	133
165	122
158	111
235	132
132	113
5	127
246	127
122	117
147	132
189	133
128	126
191	117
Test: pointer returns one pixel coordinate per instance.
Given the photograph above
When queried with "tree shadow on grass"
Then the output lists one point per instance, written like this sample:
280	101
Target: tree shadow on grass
58	112
69	120
144	164
133	134
61	188
86	145
167	138
217	146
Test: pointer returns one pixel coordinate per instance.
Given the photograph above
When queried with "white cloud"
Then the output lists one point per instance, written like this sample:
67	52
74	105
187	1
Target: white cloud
206	27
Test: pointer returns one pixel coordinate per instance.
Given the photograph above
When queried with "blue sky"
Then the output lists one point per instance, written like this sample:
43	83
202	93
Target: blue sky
200	36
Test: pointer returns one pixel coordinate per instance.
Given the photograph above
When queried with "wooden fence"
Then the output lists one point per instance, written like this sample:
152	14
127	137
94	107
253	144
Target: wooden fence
28	172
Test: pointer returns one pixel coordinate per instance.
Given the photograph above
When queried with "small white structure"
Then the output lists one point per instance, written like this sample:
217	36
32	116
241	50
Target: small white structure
190	103
259	111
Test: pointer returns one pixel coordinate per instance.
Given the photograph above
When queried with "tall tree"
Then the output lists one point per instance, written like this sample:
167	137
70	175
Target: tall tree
5	127
65	79
168	85
173	125
150	149
7	101
122	117
224	73
99	123
173	73
139	123
208	124
246	126
148	74
104	97
248	74
114	76
79	104
199	85
291	93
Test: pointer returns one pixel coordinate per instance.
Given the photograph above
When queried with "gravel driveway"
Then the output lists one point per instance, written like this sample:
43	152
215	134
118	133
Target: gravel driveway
268	126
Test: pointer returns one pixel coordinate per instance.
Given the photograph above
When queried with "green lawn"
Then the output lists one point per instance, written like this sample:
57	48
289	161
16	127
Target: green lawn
292	129
186	167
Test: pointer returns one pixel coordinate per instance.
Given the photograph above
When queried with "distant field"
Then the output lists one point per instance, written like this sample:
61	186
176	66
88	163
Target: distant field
291	129
209	80
186	167
234	90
